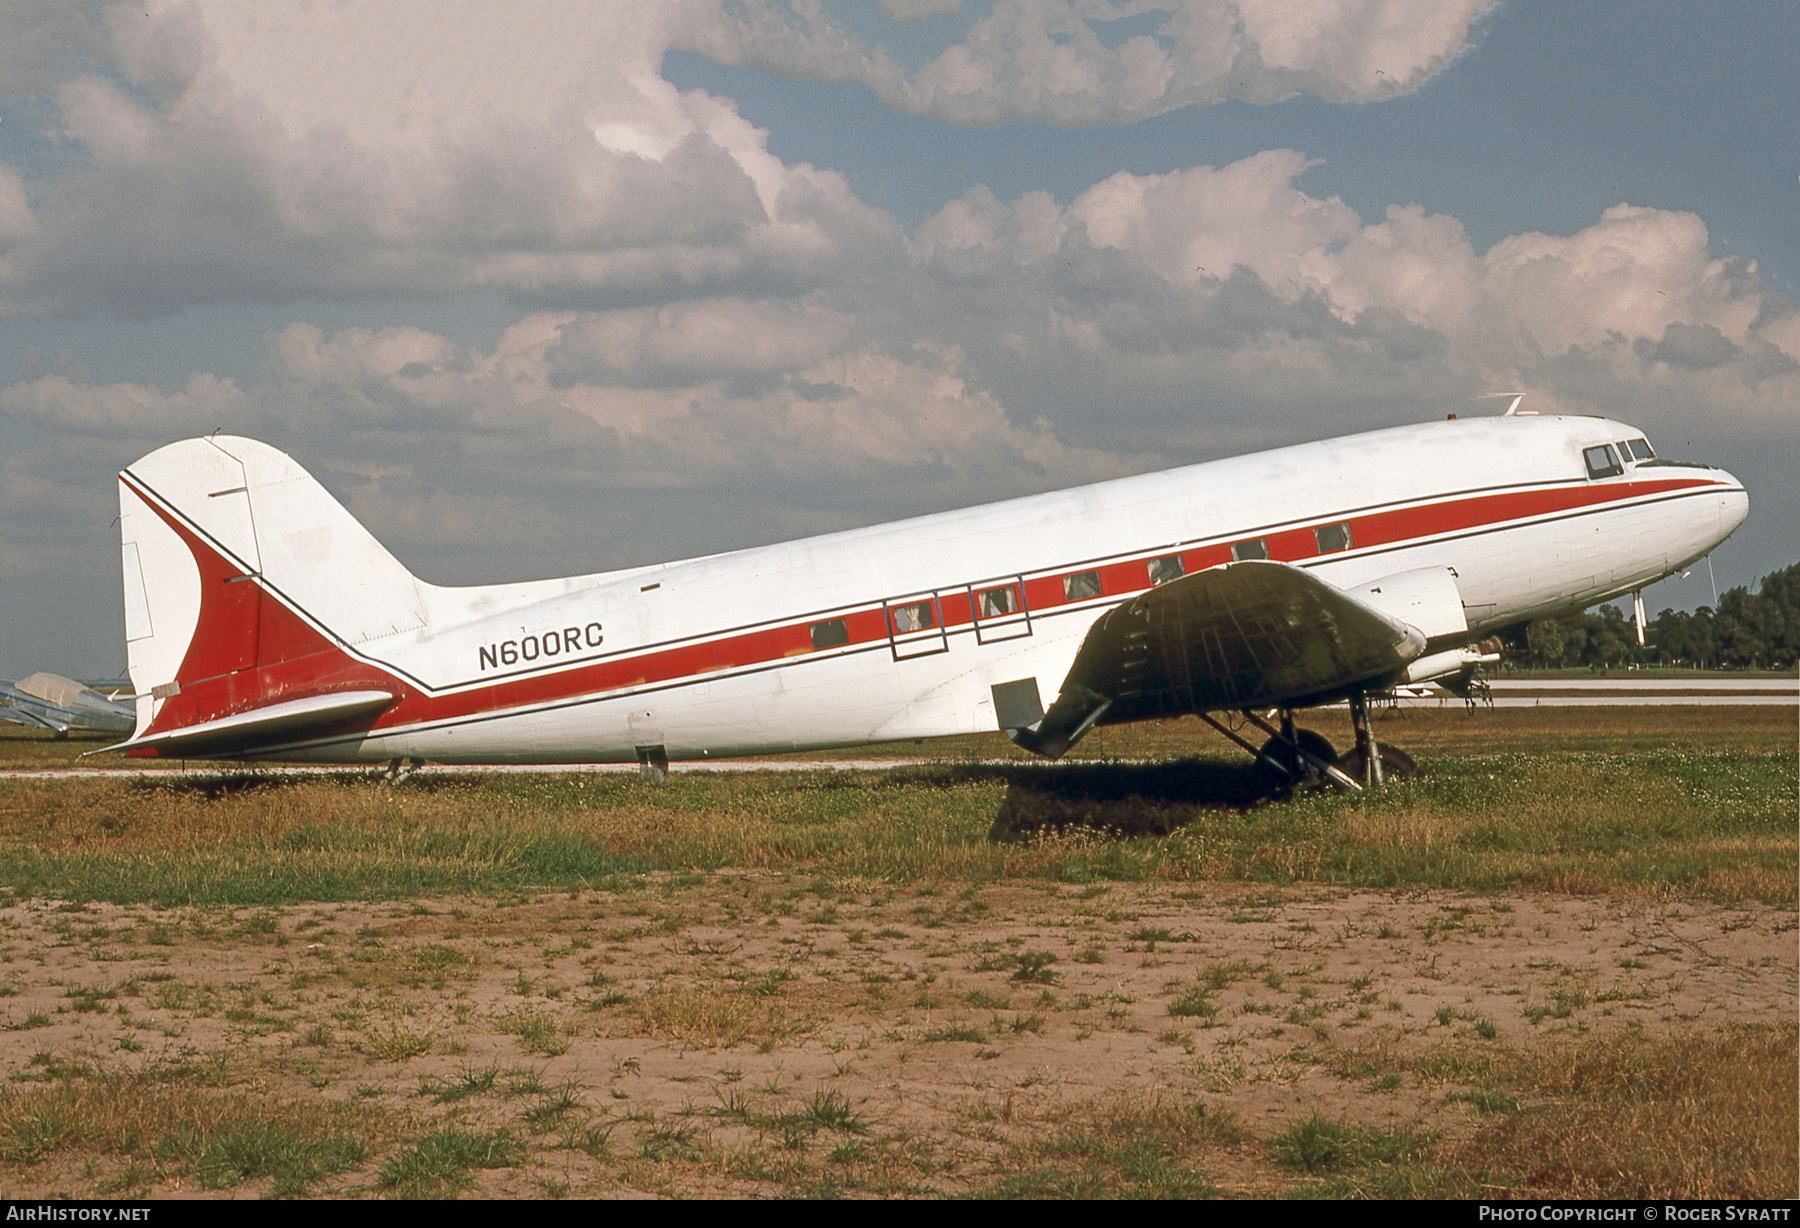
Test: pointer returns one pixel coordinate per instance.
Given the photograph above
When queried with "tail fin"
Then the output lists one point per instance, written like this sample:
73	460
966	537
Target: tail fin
244	582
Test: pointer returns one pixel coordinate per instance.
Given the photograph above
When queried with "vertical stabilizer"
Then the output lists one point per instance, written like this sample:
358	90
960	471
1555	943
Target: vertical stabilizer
244	580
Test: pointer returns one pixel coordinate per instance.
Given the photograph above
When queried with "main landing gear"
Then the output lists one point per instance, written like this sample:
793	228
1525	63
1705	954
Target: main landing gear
1296	758
1372	762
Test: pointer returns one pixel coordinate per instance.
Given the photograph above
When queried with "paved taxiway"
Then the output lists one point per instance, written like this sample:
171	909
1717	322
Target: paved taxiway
1621	693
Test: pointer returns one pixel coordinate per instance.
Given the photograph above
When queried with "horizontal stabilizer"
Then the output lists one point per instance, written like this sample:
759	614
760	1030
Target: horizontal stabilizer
262	726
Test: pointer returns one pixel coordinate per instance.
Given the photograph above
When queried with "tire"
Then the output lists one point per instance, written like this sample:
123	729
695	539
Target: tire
1396	764
1314	744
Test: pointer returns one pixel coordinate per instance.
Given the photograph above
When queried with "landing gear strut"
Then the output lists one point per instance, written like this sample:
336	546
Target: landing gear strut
1299	757
1291	756
1366	745
1373	762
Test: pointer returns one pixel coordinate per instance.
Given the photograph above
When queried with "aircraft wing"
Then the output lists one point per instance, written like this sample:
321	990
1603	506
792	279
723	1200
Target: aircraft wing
1245	635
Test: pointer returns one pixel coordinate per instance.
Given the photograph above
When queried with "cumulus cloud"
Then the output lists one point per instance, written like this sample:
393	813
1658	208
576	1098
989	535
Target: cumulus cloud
1096	61
16	221
683	344
1633	274
268	150
131	410
912	12
1230	294
238	149
1010	346
38	35
459	452
1017	346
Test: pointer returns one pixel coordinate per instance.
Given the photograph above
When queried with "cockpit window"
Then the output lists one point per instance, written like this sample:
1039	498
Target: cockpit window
1636	450
1601	463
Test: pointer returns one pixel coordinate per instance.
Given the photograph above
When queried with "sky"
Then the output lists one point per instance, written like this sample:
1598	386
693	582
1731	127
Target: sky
553	287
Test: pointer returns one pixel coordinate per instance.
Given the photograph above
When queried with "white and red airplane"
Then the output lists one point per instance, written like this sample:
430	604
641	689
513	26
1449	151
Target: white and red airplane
262	621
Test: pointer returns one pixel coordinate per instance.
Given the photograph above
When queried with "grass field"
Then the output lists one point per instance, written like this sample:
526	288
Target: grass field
1552	964
1682	803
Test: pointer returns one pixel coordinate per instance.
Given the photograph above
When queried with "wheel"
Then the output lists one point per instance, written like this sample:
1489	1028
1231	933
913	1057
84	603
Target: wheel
1314	744
1395	763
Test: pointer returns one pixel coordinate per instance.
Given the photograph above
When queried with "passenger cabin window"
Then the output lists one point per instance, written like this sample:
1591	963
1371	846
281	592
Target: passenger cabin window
998	602
1333	538
1169	567
830	634
1081	586
1601	463
1255	548
1636	450
916	617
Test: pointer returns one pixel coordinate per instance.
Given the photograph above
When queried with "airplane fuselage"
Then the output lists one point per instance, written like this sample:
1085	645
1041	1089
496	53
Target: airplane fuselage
902	630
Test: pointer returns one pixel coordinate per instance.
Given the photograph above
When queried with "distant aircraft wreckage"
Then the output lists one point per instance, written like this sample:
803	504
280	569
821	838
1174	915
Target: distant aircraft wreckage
62	705
262	621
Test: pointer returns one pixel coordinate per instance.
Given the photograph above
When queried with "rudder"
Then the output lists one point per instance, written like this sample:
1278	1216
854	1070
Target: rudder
240	572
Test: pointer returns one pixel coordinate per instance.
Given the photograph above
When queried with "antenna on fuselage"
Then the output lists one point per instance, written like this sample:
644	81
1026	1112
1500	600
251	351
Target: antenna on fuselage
1512	410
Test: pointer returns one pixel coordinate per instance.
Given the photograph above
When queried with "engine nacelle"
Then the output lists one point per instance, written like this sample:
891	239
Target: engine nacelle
1426	598
1454	661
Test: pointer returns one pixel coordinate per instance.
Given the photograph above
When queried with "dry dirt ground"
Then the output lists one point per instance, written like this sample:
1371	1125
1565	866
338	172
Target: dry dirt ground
662	1038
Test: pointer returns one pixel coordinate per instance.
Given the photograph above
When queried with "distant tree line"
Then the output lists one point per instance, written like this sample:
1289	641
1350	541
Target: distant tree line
1758	630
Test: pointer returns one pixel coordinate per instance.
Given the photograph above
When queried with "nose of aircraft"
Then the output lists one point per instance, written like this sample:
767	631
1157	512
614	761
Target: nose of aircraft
1734	505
